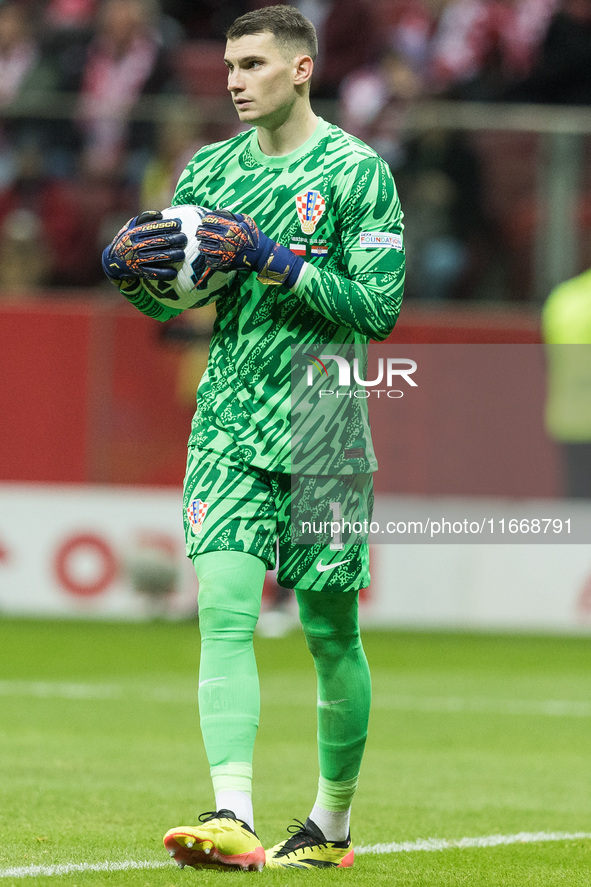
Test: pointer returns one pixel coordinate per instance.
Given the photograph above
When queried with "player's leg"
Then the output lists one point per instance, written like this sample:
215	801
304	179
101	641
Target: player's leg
331	629
231	549
333	570
230	586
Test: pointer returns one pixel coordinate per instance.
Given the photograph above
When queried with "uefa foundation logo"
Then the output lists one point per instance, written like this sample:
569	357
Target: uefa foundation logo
344	376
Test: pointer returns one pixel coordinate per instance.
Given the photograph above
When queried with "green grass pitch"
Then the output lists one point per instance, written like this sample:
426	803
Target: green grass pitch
471	736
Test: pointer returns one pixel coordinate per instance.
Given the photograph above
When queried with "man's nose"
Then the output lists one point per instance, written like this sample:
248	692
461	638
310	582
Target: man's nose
235	80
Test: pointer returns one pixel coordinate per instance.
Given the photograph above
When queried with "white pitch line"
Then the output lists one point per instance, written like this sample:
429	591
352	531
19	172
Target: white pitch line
36	871
557	708
61	690
422	845
432	844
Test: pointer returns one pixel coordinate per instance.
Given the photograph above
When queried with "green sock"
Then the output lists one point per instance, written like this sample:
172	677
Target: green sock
332	809
232	786
230	587
331	627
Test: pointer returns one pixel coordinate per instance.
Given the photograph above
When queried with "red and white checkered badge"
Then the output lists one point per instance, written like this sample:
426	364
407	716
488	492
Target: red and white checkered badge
310	205
196	512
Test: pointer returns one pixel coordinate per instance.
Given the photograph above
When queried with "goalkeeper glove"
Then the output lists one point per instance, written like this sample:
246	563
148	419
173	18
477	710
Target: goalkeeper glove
145	247
233	240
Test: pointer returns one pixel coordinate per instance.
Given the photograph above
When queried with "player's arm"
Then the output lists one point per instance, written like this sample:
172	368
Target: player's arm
145	247
368	296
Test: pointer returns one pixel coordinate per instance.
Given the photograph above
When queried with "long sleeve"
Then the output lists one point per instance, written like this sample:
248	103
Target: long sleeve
368	295
135	293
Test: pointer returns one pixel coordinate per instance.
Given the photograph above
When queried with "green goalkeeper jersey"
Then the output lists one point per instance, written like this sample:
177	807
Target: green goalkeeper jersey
333	201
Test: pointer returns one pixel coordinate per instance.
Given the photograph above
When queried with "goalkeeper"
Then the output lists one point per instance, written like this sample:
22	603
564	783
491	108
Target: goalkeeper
310	218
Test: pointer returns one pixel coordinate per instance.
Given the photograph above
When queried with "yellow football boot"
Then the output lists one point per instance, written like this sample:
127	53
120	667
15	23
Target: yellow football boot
220	842
307	848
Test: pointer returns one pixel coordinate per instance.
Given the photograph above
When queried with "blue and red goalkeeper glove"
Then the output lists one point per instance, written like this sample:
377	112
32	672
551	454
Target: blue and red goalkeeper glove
234	241
146	246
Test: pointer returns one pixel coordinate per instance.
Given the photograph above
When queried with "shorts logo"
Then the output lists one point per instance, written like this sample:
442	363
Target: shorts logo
310	206
380	240
196	513
322	568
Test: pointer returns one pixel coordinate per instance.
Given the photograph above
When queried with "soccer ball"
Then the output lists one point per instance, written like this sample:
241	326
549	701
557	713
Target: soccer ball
195	284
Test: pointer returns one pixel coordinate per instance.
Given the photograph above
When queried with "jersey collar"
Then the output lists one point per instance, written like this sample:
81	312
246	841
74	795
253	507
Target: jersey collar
282	161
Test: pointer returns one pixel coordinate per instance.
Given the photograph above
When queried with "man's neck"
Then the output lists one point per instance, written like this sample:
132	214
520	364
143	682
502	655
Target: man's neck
289	136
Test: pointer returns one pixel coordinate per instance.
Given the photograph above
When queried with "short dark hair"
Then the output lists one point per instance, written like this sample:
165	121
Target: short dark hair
290	28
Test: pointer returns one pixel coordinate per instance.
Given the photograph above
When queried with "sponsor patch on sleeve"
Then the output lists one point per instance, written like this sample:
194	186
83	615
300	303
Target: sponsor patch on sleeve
380	240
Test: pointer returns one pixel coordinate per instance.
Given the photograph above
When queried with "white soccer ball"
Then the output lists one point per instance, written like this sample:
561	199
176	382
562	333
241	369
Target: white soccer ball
195	284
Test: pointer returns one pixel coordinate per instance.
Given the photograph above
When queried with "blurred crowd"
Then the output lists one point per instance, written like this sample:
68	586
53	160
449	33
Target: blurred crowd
101	106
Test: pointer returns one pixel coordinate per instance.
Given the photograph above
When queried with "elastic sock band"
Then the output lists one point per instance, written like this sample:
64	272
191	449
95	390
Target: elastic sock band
232	777
336	796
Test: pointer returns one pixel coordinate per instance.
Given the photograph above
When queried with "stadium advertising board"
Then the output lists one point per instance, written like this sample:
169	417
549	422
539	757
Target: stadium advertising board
118	553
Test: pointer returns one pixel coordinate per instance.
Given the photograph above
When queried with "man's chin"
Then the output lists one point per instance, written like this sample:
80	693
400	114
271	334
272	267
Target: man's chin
245	110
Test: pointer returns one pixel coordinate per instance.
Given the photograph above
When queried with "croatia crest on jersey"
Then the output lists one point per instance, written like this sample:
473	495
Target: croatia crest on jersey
196	513
310	206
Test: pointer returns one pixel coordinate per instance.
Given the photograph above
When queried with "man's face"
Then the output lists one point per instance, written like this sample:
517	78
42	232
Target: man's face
261	79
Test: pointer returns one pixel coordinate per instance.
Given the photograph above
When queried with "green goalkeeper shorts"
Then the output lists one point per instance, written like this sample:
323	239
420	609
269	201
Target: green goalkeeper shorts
317	526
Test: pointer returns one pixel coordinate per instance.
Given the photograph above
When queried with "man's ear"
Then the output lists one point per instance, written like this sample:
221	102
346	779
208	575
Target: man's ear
303	67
